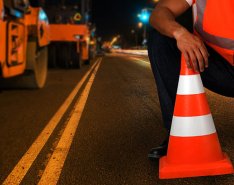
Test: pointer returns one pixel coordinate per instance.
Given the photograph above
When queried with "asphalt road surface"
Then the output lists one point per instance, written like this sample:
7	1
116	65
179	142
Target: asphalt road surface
94	127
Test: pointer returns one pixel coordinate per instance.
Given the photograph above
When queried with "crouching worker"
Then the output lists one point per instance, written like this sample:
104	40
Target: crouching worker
209	49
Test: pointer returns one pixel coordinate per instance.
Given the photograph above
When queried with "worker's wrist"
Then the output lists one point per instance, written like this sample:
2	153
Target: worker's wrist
178	32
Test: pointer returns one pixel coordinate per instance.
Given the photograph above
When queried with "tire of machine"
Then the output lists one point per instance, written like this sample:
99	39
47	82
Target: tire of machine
35	74
87	62
59	54
64	54
76	57
67	60
36	67
52	63
68	55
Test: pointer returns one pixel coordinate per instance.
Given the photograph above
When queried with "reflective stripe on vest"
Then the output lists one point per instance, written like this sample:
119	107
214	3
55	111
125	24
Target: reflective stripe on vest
218	41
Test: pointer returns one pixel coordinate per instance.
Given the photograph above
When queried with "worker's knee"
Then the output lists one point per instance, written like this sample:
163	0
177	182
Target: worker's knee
161	46
225	89
157	40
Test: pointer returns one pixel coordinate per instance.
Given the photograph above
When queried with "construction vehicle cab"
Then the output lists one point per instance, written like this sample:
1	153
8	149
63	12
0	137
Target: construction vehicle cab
70	33
24	35
16	8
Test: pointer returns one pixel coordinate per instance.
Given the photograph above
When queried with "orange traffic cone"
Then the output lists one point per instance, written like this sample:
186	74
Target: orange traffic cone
194	148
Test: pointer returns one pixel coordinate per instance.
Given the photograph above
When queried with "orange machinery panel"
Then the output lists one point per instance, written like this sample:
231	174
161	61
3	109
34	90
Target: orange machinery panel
67	32
2	35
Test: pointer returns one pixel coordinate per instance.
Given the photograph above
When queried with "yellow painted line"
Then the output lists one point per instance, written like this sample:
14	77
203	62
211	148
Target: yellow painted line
22	167
140	60
56	162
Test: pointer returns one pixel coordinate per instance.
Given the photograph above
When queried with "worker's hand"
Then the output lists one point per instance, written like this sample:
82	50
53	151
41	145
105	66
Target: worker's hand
193	49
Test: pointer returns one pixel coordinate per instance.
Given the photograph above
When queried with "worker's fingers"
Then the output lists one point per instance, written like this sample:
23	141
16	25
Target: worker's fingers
193	60
205	55
200	59
201	53
187	59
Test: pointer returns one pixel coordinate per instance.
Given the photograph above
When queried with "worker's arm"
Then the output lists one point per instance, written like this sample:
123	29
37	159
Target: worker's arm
191	46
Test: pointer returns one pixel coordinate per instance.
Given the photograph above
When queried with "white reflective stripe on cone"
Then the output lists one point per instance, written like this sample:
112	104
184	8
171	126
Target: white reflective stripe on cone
192	126
190	84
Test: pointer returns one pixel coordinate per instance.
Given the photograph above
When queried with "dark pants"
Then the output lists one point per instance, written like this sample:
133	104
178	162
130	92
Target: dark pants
165	63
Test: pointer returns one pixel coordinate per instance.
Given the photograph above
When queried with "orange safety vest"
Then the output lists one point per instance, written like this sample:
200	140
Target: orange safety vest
1	10
215	24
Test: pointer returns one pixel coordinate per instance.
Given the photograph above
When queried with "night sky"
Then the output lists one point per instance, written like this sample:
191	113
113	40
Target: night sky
116	17
113	18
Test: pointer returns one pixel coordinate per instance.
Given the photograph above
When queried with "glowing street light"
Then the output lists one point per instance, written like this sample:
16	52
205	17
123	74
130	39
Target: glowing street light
144	16
114	39
140	25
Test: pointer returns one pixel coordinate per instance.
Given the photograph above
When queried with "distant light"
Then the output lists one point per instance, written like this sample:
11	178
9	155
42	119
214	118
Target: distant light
77	37
87	17
43	16
144	16
17	14
140	25
116	47
77	17
92	42
114	39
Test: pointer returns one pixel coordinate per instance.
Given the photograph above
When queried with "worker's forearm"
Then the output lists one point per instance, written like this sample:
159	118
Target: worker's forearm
191	46
163	20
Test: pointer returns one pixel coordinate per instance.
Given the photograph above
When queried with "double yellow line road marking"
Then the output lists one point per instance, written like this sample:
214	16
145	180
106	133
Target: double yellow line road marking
54	167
